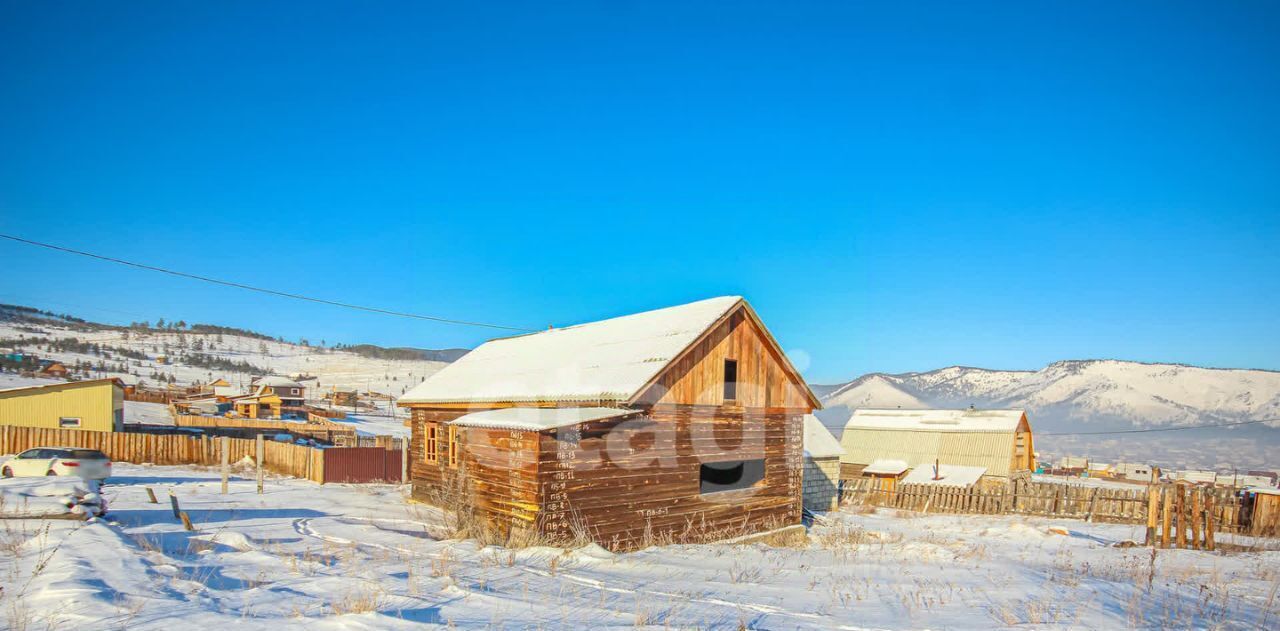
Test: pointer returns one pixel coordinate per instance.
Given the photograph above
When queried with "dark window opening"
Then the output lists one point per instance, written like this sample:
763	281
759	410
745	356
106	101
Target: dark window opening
730	476
730	379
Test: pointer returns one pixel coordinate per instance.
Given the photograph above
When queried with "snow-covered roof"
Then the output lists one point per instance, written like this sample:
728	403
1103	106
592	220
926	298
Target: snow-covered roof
536	419
609	360
967	420
277	382
818	442
948	474
887	467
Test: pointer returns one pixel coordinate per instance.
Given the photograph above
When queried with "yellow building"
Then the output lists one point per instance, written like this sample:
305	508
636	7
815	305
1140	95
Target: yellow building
96	405
264	405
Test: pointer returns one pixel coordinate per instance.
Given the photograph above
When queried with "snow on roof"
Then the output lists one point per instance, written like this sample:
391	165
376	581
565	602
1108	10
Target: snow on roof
536	419
818	442
886	467
968	420
949	475
277	382
610	360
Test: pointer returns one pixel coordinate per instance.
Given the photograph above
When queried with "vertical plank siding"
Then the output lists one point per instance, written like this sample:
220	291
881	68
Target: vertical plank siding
1190	514
283	458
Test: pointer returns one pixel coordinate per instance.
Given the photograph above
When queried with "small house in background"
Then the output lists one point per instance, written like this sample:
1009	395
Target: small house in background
1073	465
1197	476
1135	472
683	424
997	441
162	359
1100	470
222	388
821	466
1272	479
55	370
343	397
881	477
262	405
290	393
96	405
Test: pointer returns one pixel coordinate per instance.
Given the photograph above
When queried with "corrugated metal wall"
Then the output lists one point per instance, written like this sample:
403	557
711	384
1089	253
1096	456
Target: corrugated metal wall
993	450
360	465
93	404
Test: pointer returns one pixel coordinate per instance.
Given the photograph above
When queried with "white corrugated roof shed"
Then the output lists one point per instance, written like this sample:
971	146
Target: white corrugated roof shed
536	419
818	442
948	474
969	420
974	438
609	360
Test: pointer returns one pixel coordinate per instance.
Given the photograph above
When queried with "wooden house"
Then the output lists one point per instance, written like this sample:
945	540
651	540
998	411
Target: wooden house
55	370
96	405
260	405
680	424
995	444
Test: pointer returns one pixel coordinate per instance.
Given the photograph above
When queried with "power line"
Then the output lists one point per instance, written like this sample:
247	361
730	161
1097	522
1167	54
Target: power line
1161	429
273	292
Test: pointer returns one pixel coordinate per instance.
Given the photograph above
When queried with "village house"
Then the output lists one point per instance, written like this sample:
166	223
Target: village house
273	397
680	424
55	370
885	448
1135	472
96	405
821	466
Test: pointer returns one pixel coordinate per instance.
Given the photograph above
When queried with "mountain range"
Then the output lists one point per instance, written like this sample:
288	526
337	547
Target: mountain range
1069	404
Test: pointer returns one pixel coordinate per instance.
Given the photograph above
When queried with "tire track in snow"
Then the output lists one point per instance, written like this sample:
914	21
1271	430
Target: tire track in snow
303	526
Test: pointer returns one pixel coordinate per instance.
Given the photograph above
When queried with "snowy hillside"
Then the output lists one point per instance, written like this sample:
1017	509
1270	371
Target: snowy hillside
201	357
1098	395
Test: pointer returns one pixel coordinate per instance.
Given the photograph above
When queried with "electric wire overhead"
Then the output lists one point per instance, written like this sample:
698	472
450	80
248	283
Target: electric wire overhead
273	292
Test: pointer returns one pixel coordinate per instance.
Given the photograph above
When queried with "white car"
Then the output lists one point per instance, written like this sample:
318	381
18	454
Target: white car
89	464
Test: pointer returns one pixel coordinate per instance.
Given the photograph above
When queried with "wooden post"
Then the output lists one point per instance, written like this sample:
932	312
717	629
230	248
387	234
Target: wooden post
1210	523
226	467
173	504
1196	515
261	448
1153	514
186	521
151	495
1093	500
1166	518
1180	535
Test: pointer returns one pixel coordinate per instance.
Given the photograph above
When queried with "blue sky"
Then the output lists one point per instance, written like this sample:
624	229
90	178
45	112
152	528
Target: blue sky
893	187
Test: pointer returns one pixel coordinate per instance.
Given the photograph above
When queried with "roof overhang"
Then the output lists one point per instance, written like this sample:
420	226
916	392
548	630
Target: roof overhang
537	419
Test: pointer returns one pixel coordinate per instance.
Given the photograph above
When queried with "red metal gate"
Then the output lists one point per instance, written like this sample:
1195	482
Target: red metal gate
361	465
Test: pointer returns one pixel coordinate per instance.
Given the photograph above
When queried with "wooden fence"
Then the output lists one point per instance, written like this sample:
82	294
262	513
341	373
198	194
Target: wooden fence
1214	509
283	458
325	430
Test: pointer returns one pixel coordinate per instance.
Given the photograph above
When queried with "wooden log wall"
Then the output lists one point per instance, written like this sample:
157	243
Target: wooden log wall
623	499
283	458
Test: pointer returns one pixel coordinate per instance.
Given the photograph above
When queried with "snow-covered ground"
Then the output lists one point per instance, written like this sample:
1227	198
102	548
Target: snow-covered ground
359	557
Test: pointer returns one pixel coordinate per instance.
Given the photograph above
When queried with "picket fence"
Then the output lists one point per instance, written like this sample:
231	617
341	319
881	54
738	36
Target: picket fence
1215	509
283	458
